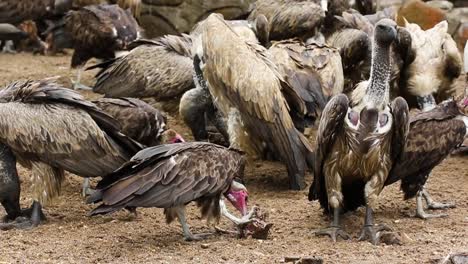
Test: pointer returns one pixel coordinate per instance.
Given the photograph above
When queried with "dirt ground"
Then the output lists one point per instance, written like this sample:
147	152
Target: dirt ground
69	236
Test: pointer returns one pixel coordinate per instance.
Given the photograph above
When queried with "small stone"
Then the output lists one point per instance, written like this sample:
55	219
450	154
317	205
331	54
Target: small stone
205	246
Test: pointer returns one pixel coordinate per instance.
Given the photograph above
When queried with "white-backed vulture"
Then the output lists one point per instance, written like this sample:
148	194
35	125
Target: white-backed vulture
51	129
161	69
357	146
432	137
15	12
99	31
289	18
171	176
138	120
314	71
247	88
436	66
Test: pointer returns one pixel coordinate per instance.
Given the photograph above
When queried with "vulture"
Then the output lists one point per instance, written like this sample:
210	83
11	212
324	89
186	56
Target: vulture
356	146
173	175
290	18
436	66
314	71
10	32
51	129
250	96
354	42
433	135
161	68
9	184
15	11
138	120
99	31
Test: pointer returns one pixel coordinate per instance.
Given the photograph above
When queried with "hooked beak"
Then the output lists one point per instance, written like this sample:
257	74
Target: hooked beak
324	5
177	139
239	200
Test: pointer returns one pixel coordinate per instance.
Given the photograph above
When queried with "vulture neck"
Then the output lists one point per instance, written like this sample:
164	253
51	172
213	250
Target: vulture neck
378	90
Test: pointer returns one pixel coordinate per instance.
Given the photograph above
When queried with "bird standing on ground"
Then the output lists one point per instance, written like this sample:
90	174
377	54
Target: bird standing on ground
171	176
99	31
51	129
357	146
247	88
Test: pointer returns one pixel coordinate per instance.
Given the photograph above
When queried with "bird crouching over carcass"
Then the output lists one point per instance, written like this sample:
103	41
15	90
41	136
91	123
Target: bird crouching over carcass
357	146
173	175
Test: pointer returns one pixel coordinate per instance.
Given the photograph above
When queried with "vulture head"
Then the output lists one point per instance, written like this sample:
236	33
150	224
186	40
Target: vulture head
171	136
237	195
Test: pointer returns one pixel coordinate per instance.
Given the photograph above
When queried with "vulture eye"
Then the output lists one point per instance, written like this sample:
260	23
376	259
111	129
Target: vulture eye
383	119
353	117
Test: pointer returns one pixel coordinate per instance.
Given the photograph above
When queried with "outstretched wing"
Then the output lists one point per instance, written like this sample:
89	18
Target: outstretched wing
169	175
331	124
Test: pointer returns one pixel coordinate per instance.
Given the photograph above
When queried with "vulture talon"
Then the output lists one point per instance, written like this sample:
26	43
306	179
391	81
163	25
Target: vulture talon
333	232
420	208
436	205
372	233
197	237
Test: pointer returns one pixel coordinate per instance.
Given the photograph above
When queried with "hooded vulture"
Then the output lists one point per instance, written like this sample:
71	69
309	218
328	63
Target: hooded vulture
17	11
162	69
51	129
99	31
171	176
356	146
314	71
247	88
436	66
289	18
432	137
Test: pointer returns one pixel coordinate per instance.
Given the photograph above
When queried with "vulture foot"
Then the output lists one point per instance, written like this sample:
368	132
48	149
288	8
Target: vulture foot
79	86
20	222
431	204
372	233
87	190
196	237
334	232
28	219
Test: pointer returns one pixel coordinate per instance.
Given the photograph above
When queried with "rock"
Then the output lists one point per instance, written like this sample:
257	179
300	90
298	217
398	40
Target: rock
160	17
459	258
441	4
418	12
205	246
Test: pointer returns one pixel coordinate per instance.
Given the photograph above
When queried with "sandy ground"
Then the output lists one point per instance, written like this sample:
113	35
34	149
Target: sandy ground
69	236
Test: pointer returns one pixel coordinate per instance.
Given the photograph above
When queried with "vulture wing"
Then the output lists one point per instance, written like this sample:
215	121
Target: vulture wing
400	112
162	69
44	122
331	124
169	175
138	119
432	137
256	90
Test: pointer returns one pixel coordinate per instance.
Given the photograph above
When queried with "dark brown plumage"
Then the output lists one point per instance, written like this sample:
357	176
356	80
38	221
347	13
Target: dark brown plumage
15	12
99	31
9	184
432	137
314	71
247	88
289	18
51	129
138	120
356	146
162	69
171	176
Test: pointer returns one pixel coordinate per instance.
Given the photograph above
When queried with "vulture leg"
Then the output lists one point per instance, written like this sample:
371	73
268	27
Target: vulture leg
334	231
431	204
37	216
29	218
370	231
9	47
188	236
237	221
86	189
76	84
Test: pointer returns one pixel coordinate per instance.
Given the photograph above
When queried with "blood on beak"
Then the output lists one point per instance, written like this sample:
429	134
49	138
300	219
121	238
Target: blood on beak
239	200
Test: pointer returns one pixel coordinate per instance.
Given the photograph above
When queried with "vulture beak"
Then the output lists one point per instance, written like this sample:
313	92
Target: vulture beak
170	136
238	197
